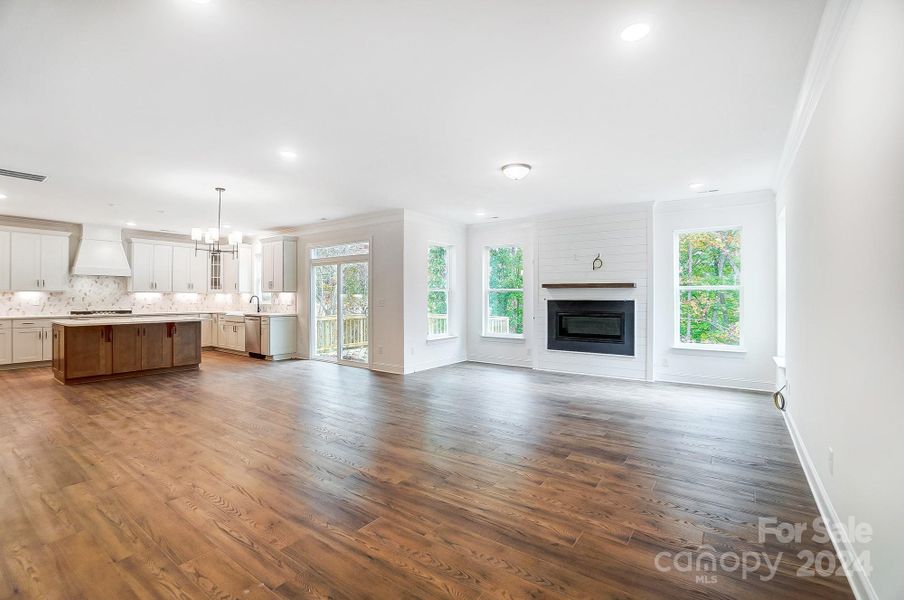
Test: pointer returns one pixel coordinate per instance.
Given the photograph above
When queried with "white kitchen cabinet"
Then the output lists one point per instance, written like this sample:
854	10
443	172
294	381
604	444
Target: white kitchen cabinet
278	335
189	270
278	264
4	262
230	270
39	261
231	335
31	340
28	345
246	269
207	331
6	343
236	271
152	267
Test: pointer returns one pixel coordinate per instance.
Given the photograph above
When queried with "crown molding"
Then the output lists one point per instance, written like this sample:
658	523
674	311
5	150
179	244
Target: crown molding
837	18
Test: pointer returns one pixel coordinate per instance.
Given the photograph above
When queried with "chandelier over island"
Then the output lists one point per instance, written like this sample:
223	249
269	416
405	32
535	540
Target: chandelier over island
211	237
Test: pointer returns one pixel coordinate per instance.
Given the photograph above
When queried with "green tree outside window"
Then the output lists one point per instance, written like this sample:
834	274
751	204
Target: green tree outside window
505	291
709	287
437	291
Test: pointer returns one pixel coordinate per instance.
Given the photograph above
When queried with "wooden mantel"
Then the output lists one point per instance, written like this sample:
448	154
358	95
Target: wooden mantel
607	285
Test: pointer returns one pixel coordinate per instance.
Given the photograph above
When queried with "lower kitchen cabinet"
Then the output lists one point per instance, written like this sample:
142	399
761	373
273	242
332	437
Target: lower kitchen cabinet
92	352
6	344
85	351
126	348
186	343
231	335
156	346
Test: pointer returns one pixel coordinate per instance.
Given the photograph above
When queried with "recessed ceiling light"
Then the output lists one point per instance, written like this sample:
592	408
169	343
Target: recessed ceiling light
3	196
130	224
288	154
516	171
480	213
635	32
697	186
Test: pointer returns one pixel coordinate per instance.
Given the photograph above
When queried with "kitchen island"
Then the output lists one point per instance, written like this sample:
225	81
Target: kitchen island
96	349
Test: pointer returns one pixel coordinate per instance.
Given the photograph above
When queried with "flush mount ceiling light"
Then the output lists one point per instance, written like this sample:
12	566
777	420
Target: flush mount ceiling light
696	186
480	214
3	196
516	171
288	154
211	237
635	32
131	224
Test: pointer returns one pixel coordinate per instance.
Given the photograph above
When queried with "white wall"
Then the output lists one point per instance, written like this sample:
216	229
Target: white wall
753	368
844	201
385	231
420	232
567	245
514	352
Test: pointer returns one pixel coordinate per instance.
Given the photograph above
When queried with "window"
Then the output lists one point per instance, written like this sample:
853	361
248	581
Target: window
504	292
352	249
438	269
708	288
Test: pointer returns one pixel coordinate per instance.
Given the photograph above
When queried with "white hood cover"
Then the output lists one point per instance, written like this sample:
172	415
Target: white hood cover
101	253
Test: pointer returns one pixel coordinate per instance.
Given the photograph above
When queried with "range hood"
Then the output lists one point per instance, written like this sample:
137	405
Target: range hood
101	253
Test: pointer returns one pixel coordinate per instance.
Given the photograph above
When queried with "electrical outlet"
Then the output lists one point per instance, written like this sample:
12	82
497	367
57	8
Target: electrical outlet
831	461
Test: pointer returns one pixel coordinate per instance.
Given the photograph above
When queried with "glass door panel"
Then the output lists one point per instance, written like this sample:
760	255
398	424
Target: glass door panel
325	283
353	312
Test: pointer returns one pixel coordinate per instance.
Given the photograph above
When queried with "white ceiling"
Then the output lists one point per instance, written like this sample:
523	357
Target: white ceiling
148	105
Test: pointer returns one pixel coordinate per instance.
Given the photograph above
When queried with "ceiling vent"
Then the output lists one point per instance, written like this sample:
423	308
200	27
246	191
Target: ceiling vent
21	175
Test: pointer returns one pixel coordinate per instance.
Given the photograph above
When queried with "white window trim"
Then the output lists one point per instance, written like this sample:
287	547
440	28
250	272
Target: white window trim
448	290
677	344
485	333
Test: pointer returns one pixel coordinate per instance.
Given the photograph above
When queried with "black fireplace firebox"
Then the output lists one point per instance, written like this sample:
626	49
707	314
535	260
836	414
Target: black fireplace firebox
598	326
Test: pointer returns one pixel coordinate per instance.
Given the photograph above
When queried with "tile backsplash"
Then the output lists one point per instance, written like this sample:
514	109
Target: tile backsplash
97	293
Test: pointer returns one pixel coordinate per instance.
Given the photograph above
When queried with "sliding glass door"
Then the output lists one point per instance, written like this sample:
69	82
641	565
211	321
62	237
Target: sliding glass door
340	284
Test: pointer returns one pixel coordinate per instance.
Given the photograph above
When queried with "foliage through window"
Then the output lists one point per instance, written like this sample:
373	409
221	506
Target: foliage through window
438	258
709	287
504	292
352	249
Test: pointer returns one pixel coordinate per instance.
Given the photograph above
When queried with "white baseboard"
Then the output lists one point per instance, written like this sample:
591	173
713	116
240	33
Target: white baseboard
857	577
433	364
720	382
503	362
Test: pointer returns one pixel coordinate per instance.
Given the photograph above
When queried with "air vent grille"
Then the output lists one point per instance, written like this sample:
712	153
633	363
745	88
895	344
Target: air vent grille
21	175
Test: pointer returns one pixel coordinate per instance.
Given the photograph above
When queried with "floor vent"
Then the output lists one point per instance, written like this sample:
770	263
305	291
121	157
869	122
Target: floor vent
20	175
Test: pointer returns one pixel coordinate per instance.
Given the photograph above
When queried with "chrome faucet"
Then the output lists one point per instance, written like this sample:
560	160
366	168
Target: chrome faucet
254	297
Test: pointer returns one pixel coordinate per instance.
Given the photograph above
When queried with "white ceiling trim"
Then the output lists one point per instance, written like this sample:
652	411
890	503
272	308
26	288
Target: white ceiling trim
834	26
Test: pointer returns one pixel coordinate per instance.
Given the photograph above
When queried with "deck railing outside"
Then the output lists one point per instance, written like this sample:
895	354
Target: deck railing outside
437	324
498	325
354	333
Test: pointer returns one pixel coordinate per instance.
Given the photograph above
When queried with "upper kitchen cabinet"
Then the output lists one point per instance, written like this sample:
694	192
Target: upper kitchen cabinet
189	270
4	262
235	271
38	261
278	268
152	266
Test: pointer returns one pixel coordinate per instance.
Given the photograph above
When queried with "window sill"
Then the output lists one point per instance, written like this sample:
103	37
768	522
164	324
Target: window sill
441	338
710	348
502	338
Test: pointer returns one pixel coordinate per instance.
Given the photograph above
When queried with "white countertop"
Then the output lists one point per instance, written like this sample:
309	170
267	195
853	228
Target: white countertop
135	315
134	320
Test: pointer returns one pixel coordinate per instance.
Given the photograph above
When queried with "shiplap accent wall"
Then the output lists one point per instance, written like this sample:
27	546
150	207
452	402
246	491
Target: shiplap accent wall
566	247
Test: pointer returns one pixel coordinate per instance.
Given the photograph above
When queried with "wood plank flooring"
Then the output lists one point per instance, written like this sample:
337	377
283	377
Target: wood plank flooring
302	479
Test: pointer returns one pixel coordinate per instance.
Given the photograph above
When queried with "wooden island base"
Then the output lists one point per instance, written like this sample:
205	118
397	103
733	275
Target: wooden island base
95	351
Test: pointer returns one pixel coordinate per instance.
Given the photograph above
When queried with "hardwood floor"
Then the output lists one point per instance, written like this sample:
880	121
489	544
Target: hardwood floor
307	480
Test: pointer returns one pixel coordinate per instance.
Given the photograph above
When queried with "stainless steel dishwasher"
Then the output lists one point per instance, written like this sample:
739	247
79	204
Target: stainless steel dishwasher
253	335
